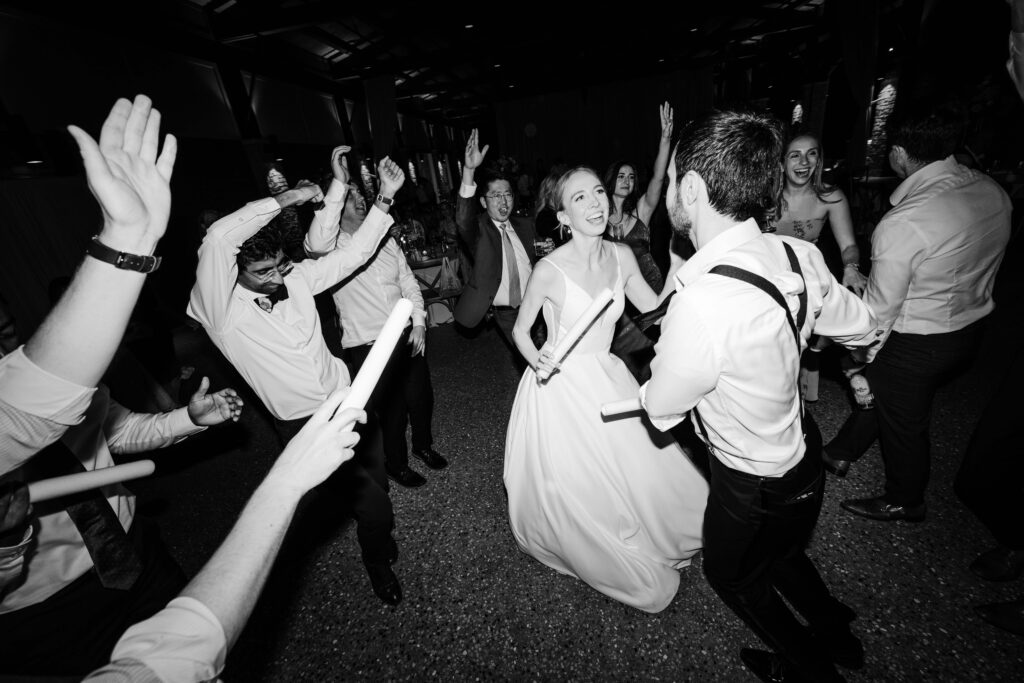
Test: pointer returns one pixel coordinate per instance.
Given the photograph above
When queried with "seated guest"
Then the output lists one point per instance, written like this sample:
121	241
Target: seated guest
364	301
189	639
88	567
258	309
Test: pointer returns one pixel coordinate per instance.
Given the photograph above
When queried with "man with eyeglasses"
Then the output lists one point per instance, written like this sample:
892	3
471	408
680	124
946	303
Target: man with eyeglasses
258	309
500	244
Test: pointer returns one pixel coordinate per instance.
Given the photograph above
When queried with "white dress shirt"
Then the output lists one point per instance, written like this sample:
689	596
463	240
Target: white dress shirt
365	300
60	555
281	354
35	408
727	349
935	254
182	643
501	297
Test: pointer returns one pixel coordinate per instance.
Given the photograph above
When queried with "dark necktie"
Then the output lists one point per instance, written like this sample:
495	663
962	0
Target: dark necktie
515	292
114	558
267	302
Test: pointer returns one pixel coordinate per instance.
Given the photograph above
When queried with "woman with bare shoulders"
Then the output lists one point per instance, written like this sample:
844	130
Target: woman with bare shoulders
631	211
806	204
615	504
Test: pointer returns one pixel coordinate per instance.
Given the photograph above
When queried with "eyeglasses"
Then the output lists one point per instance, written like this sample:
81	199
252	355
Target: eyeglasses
504	196
284	267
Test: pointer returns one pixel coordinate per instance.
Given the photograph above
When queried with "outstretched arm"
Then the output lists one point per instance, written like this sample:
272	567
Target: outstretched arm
322	235
649	202
635	284
219	600
131	182
842	229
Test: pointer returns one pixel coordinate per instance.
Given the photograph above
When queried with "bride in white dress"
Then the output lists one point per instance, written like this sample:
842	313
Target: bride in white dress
614	503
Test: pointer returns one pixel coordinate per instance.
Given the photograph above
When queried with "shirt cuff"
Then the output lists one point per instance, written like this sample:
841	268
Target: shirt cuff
419	317
662	423
181	425
183	642
467	191
27	387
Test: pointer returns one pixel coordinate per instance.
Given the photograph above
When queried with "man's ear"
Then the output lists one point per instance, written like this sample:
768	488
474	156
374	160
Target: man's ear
691	187
483	203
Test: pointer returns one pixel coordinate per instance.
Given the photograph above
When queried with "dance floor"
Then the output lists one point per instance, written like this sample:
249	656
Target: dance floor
476	608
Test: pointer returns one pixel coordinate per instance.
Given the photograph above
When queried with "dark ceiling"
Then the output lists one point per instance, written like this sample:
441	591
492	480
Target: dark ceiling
454	61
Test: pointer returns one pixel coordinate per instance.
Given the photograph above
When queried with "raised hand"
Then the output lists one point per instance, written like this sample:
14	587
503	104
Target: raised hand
338	164
303	192
474	155
391	176
667	121
207	410
128	179
320	447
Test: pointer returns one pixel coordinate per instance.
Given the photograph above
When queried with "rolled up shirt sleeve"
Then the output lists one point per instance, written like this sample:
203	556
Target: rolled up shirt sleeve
36	408
183	643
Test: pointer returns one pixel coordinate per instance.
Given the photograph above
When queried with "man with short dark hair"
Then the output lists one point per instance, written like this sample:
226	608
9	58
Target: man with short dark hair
729	354
258	309
500	245
934	258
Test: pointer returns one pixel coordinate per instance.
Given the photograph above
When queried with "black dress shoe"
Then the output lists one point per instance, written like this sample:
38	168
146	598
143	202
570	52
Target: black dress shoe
406	477
385	583
999	564
769	667
1008	616
878	508
835	466
844	648
431	458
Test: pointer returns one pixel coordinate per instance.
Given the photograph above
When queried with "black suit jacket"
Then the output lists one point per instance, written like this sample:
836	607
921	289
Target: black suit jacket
483	241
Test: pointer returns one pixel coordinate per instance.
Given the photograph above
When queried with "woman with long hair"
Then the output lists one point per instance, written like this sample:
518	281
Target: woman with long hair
806	203
631	211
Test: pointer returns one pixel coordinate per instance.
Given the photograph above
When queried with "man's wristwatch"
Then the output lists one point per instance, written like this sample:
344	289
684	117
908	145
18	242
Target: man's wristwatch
122	259
386	201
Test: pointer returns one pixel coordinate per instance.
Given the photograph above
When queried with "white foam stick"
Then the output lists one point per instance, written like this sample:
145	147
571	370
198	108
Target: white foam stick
616	408
47	489
580	327
377	359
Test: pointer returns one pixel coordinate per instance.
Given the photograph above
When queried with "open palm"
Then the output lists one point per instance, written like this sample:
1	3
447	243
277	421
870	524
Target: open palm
128	179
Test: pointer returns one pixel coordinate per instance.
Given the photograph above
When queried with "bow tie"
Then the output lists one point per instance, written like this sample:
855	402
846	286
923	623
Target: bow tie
267	302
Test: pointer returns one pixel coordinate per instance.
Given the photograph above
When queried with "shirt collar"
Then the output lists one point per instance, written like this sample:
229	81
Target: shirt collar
709	255
915	180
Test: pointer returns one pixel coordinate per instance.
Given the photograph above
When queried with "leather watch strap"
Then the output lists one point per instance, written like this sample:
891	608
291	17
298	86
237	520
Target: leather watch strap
122	259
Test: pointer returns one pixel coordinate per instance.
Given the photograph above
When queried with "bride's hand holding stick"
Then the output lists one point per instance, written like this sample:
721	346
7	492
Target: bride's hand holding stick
579	328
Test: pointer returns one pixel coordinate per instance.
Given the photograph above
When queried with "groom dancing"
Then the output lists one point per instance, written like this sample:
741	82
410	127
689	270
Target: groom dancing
730	355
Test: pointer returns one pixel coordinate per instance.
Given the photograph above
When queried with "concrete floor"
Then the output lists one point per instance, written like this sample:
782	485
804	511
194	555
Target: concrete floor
476	608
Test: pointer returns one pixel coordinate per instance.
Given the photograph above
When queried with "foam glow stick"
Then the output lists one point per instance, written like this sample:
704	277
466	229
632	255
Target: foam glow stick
616	408
47	489
377	359
580	327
